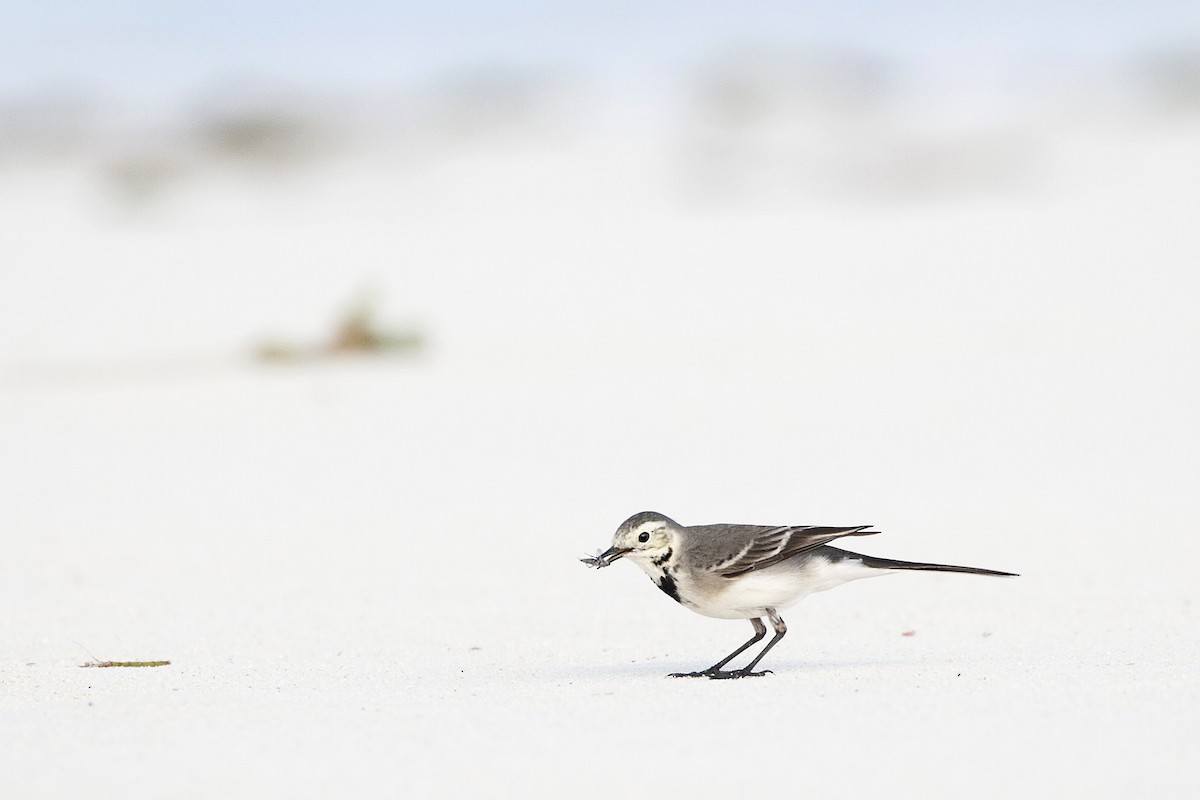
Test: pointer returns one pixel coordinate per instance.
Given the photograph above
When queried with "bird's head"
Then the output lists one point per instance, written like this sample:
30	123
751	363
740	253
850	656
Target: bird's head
646	538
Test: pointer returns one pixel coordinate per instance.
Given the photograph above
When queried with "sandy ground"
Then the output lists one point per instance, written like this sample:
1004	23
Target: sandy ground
365	573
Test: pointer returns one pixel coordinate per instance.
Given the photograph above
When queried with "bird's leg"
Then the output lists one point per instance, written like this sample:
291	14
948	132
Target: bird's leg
714	671
748	671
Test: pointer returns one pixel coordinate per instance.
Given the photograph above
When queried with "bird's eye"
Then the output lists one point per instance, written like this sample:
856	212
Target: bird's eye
643	536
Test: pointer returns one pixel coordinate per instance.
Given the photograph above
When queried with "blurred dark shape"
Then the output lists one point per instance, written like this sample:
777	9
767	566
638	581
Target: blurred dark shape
1169	81
141	179
499	104
751	87
777	125
768	124
51	128
259	124
356	333
990	161
253	130
256	133
265	136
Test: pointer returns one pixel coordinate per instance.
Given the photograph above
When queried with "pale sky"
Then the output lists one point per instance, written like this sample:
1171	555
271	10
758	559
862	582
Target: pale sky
148	48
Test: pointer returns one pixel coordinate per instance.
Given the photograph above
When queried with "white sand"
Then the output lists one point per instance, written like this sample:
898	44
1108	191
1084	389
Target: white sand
365	574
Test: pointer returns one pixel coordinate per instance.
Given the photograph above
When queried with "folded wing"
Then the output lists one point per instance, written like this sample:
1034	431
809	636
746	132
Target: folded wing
763	547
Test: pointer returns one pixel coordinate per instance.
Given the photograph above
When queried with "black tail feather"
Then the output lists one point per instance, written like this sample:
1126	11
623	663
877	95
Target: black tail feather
890	563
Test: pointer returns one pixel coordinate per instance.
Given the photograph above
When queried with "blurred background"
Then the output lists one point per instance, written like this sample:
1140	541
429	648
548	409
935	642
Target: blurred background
398	266
524	178
300	299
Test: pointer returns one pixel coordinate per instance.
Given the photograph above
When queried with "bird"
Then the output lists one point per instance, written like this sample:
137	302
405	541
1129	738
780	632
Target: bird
747	571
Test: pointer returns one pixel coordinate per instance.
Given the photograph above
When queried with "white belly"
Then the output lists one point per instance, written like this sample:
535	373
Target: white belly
779	587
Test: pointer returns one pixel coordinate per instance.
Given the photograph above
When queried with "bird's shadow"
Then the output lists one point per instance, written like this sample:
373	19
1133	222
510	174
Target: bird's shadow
663	669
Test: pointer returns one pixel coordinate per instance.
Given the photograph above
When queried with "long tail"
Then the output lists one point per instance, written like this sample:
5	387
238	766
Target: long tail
889	563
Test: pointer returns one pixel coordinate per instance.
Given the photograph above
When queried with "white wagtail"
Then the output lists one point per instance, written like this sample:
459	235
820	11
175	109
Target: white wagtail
746	571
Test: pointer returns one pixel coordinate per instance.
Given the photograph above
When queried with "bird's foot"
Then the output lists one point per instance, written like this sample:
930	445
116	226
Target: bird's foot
738	673
721	674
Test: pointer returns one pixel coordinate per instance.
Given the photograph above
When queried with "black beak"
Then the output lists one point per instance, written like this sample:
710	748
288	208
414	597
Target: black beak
607	557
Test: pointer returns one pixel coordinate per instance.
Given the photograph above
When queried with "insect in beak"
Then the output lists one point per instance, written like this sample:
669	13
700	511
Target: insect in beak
607	557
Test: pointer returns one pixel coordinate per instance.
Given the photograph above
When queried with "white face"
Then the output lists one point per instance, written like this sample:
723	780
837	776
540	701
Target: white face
643	537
